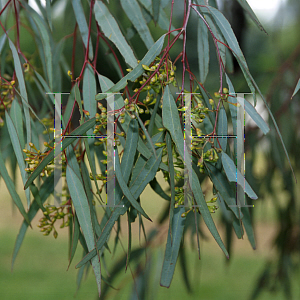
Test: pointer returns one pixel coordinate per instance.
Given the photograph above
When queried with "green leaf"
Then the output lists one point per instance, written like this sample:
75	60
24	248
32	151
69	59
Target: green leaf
18	151
83	26
172	248
251	13
2	42
20	76
45	36
203	50
17	118
234	175
156	9
65	143
89	90
232	42
45	190
172	122
222	129
112	31
134	13
223	187
172	182
147	174
255	116
296	89
12	190
132	138
82	209
138	70
125	188
248	226
158	189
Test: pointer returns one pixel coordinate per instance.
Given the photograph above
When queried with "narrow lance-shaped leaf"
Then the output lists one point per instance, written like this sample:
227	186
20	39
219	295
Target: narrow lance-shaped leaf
172	248
222	129
45	190
251	13
172	122
203	50
65	143
232	42
20	76
125	188
12	190
112	31
297	88
82	209
138	70
134	13
234	175
82	24
255	116
156	9
147	174
18	152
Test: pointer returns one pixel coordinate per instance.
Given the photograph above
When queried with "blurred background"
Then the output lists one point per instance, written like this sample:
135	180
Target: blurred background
272	270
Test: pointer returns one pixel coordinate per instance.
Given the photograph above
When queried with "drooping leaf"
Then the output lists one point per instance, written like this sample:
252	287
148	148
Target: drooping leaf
234	175
134	13
45	190
297	88
172	122
138	70
251	13
172	248
18	151
222	129
112	31
23	92
147	174
156	9
248	226
17	118
11	188
125	188
172	183
82	209
203	50
255	116
65	143
158	189
83	26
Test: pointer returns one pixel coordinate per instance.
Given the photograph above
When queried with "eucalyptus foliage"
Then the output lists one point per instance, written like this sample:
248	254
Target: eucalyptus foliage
92	57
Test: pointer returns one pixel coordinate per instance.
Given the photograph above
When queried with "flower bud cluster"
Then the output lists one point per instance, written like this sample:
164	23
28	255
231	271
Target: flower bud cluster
51	215
7	97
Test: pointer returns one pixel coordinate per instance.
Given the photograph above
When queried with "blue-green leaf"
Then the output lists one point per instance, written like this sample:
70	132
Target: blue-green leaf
12	190
17	118
112	31
82	209
134	13
248	226
138	70
251	13
255	116
156	9
18	151
2	42
147	174
65	143
20	76
172	122
125	188
172	247
297	88
82	24
203	50
234	175
222	129
45	190
89	90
